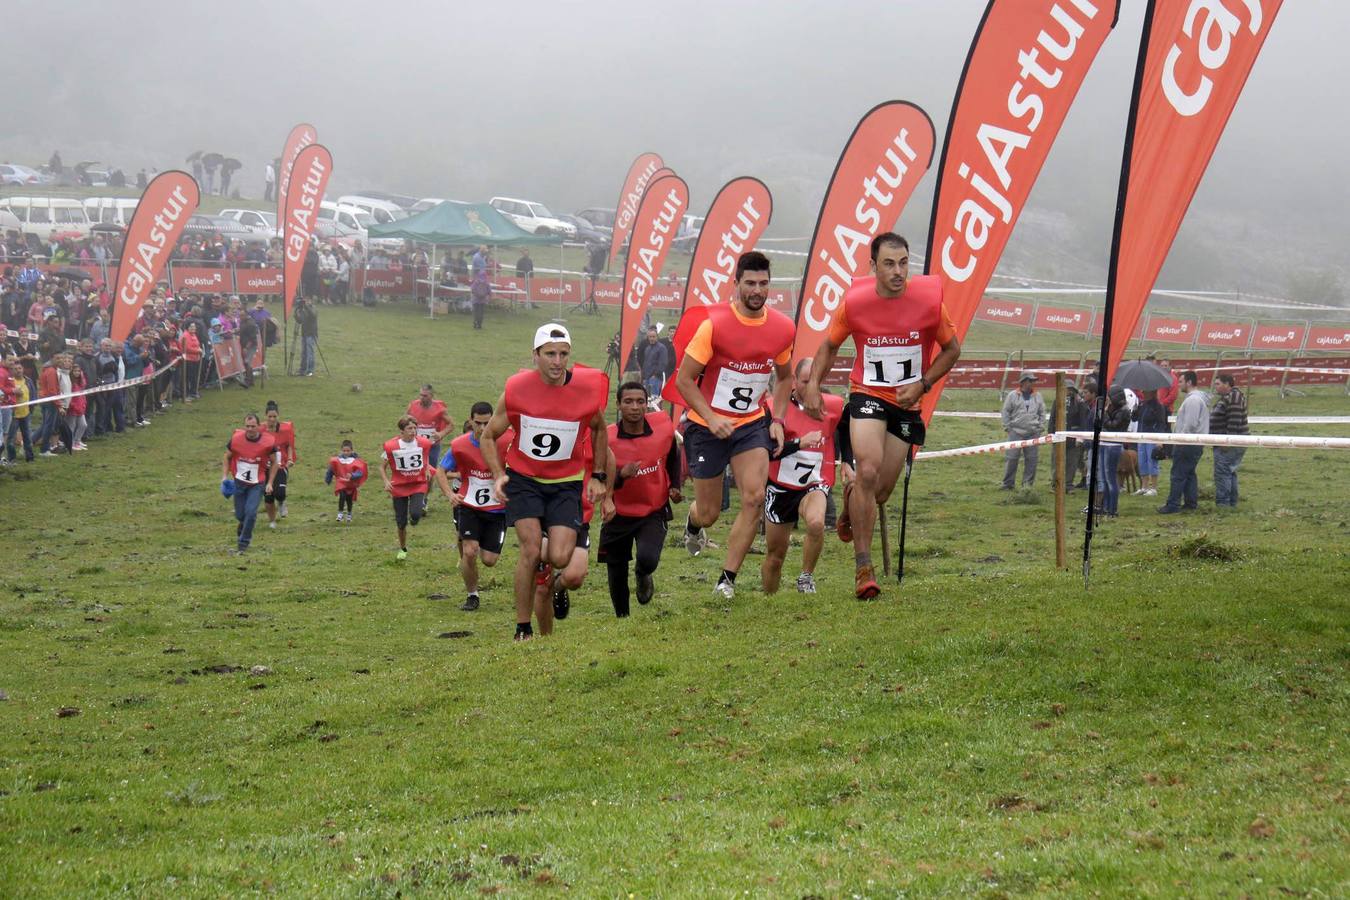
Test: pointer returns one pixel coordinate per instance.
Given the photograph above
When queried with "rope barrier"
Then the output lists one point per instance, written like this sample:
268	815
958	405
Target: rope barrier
98	389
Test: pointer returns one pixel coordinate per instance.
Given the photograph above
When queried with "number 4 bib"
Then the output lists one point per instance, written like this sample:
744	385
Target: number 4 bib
246	471
891	366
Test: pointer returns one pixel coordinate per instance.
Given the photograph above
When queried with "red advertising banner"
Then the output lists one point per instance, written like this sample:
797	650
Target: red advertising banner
654	228
1214	333
1193	62
1062	318
635	183
879	168
167	203
301	136
1004	312
1279	337
1328	337
1025	66
1098	318
1169	331
305	190
546	289
257	281
383	281
737	217
201	280
229	358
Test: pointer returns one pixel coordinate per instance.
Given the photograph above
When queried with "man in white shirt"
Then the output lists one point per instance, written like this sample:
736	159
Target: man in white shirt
1192	418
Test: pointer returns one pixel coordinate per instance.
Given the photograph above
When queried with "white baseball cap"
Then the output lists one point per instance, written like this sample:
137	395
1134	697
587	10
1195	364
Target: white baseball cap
550	334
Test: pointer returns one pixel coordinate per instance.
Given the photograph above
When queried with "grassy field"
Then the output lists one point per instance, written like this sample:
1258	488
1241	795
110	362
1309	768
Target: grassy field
993	728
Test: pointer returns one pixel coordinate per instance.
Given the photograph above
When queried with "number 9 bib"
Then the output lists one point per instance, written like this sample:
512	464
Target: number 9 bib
547	439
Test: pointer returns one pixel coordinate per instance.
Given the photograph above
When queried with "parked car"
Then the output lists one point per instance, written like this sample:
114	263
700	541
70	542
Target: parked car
46	218
228	229
327	231
586	232
686	238
257	221
397	199
533	217
601	218
425	204
382	211
13	173
358	220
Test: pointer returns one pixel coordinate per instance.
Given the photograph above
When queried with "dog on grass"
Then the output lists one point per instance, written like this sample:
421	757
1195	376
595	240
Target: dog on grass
1127	471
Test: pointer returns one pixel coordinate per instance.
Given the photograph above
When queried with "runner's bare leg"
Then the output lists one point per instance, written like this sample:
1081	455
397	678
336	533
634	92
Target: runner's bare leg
751	471
707	505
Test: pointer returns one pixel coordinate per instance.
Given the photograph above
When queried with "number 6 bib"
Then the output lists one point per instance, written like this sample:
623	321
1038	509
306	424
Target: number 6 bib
479	492
739	392
891	366
547	439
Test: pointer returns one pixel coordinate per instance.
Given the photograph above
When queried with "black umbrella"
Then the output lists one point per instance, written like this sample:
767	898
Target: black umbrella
76	274
212	160
231	165
194	156
1142	375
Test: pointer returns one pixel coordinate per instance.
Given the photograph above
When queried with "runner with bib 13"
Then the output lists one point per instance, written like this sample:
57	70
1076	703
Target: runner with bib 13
896	323
407	476
722	378
541	476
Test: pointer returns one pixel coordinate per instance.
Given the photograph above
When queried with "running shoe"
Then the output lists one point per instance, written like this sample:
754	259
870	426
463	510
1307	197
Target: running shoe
272	525
725	589
282	510
402	555
695	543
470	603
341	516
806	583
646	589
562	603
843	525
866	583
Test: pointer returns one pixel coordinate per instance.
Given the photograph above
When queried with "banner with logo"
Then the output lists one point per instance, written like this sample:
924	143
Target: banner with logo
167	203
304	193
1062	318
301	136
640	174
1005	312
1194	59
1233	335
737	217
257	281
1279	337
229	358
654	228
1025	66
881	164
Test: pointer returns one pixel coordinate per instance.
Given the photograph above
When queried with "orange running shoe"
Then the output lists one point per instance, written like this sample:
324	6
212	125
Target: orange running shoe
843	525
867	586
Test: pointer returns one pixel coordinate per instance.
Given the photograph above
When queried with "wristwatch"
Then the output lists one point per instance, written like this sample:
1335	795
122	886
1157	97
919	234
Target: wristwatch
600	477
927	385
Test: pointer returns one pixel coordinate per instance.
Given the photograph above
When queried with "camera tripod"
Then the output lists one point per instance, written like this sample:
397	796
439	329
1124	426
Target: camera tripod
295	348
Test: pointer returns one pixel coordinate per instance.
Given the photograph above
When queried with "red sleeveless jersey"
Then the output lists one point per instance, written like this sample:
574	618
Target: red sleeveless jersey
409	466
250	460
742	362
284	437
807	467
430	419
894	337
348	474
649	489
550	422
475	479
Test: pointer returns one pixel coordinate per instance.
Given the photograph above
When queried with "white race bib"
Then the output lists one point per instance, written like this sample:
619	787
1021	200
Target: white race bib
246	471
891	366
408	460
547	439
739	392
426	431
479	492
801	469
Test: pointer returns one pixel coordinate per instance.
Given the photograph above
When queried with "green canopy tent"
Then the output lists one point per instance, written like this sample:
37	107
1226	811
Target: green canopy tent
453	224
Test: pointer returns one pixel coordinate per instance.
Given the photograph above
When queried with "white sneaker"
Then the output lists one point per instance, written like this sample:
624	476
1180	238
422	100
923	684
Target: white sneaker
283	509
341	516
271	524
1151	492
725	589
694	543
806	583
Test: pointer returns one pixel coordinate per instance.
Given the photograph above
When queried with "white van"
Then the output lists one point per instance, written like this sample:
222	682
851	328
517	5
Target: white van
260	223
382	211
356	219
48	217
533	217
110	210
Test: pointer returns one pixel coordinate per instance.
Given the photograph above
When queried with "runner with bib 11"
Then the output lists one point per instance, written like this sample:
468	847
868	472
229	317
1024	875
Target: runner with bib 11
896	323
722	378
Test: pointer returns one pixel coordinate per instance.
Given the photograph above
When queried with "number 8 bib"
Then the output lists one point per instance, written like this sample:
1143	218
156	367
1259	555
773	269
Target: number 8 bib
891	366
739	392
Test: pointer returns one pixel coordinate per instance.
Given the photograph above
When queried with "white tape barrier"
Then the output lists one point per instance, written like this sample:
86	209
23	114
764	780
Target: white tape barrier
33	336
1283	442
1300	369
97	389
1253	420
